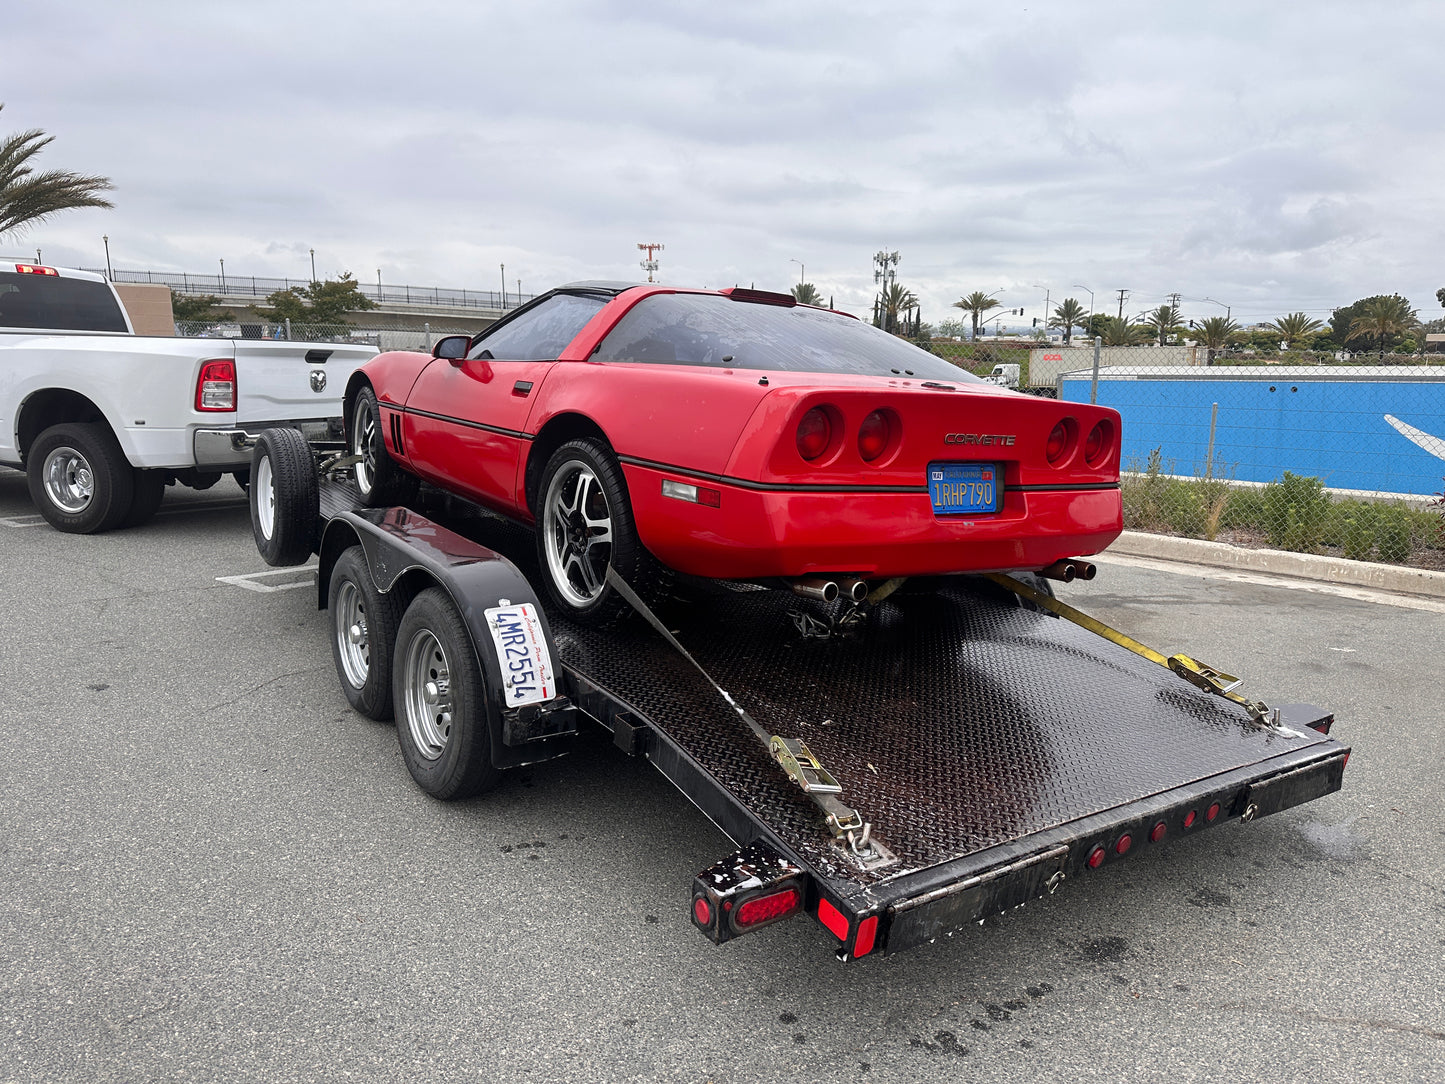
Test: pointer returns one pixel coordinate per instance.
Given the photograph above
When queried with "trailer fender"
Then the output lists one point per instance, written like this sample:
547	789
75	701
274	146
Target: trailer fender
406	553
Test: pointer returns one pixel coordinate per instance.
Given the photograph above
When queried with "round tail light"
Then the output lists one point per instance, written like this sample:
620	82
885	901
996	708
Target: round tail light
1096	448
874	435
1058	444
815	433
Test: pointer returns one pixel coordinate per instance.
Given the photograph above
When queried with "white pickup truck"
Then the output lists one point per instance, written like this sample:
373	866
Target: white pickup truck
102	420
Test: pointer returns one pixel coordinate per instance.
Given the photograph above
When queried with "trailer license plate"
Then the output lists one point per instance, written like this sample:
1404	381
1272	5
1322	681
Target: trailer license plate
964	489
527	674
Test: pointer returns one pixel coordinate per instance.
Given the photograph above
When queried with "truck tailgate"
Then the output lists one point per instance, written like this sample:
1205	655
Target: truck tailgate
285	381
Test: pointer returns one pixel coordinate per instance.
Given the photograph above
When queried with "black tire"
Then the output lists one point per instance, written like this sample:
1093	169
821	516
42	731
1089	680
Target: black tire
79	478
379	479
584	526
148	491
441	701
363	635
1039	584
285	504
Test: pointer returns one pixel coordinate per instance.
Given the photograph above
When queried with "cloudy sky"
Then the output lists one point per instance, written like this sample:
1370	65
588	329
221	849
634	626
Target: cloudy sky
1271	157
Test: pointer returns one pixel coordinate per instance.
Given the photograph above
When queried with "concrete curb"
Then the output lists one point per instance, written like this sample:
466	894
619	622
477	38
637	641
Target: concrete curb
1309	566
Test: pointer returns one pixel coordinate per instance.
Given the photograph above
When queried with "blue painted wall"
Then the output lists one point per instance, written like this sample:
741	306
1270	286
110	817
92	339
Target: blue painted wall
1330	429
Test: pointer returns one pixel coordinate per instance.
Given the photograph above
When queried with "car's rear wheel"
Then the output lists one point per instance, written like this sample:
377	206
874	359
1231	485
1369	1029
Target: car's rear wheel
584	526
79	478
379	480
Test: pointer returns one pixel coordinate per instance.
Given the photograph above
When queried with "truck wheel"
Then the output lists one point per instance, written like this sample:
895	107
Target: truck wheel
285	505
585	526
79	478
379	479
148	492
363	635
441	702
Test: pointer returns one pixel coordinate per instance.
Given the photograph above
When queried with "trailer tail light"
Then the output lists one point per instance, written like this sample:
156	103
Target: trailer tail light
685	491
35	269
749	889
835	920
876	434
1190	818
1212	812
761	910
216	386
1123	843
1158	832
702	912
867	936
1096	857
1061	441
815	433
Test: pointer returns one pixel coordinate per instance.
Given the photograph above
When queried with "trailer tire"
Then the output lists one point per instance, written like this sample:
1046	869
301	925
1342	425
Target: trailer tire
79	478
284	499
380	480
148	491
441	701
363	634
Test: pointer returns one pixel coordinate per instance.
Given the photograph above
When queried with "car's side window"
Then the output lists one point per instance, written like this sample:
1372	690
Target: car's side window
540	333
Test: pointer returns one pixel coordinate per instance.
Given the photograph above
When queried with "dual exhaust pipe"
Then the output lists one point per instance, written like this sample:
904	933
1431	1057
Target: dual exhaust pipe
822	589
1068	570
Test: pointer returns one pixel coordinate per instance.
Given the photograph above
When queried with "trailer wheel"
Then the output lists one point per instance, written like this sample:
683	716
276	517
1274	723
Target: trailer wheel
285	505
441	701
149	491
79	478
363	635
585	526
379	479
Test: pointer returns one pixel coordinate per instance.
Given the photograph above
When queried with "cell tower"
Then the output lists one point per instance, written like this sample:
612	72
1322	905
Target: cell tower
650	264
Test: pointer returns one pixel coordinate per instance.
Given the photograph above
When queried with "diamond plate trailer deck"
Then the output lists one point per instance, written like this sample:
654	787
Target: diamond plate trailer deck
997	752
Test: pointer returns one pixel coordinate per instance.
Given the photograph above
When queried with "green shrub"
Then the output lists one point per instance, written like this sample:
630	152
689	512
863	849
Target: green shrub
1295	510
1392	533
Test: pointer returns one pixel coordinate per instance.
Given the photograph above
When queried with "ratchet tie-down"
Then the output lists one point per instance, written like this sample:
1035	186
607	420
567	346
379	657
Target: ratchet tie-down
792	754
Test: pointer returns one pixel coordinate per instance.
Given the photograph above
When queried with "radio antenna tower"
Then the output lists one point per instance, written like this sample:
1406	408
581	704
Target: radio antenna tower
650	264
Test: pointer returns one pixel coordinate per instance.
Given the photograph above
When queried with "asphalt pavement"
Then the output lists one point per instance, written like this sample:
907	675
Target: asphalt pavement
212	870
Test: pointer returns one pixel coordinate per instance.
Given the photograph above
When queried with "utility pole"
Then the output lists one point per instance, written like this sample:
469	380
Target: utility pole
1122	295
650	264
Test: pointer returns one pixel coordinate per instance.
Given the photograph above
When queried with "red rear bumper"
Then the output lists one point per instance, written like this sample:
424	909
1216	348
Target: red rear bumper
755	534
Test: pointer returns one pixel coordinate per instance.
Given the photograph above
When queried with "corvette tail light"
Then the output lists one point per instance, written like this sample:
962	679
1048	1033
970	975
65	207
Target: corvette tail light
815	433
685	491
216	386
35	269
876	434
1099	444
1061	441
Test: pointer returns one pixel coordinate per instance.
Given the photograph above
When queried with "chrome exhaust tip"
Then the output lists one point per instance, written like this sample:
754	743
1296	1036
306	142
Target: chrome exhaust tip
815	587
1069	569
854	589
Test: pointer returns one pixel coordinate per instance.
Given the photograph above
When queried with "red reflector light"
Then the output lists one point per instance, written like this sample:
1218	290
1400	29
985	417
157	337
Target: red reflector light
1096	858
815	433
216	386
762	909
1190	818
711	498
867	935
1123	843
1096	448
1211	812
701	912
1058	445
874	435
834	919
1157	832
35	269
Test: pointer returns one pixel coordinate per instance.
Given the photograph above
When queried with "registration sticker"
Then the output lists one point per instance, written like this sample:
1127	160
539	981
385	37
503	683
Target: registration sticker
960	489
527	675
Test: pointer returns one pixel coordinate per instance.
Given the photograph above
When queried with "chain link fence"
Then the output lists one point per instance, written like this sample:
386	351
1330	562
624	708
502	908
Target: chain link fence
1318	453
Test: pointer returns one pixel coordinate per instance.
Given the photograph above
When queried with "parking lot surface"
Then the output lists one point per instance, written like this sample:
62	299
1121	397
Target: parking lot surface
211	869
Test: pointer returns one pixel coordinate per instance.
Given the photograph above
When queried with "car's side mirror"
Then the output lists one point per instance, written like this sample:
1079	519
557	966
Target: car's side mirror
452	347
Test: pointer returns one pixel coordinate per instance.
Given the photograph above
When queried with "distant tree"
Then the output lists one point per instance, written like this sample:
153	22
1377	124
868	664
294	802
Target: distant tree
805	293
1296	328
1440	295
1117	332
1214	333
894	305
952	328
976	304
27	197
319	303
196	307
1382	321
1096	324
1163	323
1068	314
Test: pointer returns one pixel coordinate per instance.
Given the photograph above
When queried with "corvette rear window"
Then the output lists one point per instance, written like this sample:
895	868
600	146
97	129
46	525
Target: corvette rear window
58	303
542	332
709	329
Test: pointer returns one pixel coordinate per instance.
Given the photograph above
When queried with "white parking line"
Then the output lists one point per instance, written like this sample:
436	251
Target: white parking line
304	576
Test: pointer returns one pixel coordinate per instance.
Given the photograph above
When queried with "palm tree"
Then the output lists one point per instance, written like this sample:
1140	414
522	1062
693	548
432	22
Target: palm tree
893	303
1119	332
805	293
1162	323
27	196
1214	333
1068	314
1295	327
976	303
1381	319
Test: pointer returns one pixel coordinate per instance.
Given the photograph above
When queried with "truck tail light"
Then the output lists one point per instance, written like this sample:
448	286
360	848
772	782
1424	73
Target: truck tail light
216	386
35	269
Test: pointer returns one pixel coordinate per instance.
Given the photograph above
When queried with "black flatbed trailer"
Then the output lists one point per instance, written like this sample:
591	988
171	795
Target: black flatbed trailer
996	751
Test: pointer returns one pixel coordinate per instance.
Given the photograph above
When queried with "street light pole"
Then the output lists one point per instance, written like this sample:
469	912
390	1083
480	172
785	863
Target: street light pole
223	276
504	286
313	265
106	240
802	271
1047	294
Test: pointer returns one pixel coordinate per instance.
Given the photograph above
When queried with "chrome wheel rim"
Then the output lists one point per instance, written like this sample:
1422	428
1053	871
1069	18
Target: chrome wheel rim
353	641
577	534
264	486
363	443
69	481
427	695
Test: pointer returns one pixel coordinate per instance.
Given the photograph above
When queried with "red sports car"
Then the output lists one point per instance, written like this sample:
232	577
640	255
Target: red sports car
733	434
